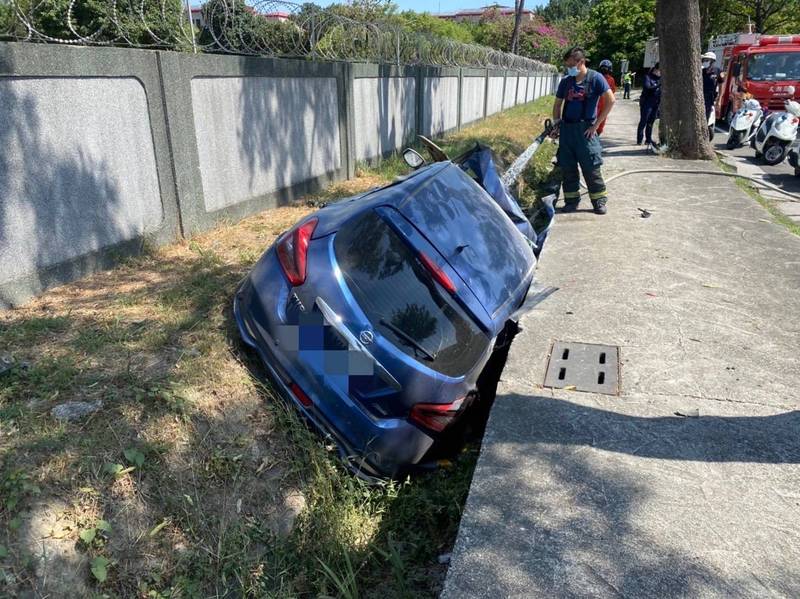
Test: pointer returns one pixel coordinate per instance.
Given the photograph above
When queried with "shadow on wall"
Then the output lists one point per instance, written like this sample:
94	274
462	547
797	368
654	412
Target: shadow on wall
435	107
581	532
287	131
56	205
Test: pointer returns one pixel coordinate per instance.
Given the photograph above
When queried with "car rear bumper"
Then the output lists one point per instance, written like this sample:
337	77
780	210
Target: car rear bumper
370	447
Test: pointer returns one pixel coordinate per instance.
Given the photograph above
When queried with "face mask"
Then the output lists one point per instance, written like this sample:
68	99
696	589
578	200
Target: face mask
706	64
572	71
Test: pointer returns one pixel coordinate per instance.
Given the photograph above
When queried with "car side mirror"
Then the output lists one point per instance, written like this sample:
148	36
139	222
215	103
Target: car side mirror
737	69
413	158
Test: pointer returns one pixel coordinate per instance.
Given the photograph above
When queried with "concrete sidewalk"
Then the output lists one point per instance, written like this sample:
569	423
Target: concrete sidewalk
587	495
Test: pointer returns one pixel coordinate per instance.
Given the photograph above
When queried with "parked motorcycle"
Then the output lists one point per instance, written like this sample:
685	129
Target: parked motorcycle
776	134
744	124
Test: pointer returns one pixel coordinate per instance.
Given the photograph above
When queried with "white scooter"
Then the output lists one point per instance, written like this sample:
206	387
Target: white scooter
744	124
712	123
776	134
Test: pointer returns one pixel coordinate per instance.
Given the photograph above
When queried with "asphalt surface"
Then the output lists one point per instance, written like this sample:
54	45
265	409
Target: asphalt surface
687	483
781	174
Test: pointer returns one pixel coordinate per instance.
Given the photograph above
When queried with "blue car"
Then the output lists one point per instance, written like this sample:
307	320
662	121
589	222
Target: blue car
376	315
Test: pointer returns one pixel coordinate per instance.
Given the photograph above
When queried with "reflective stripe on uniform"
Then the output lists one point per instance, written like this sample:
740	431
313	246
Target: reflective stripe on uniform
571	194
597	195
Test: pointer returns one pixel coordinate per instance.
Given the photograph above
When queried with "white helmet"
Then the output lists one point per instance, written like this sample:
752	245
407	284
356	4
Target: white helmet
709	56
793	107
752	104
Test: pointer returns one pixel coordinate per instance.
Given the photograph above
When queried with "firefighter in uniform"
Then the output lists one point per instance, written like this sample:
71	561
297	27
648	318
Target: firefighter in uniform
576	120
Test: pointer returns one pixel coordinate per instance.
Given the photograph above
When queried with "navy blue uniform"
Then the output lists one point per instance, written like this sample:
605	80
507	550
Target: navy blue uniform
578	114
710	81
649	102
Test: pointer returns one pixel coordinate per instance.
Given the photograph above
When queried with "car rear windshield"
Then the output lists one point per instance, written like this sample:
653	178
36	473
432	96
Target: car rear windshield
401	299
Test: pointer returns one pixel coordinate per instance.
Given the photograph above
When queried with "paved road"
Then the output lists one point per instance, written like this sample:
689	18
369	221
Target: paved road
590	495
781	174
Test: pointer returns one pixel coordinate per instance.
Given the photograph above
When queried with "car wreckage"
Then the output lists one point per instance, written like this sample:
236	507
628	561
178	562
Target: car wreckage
376	315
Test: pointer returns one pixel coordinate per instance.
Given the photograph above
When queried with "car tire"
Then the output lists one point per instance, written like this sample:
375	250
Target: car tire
774	153
734	140
797	171
711	133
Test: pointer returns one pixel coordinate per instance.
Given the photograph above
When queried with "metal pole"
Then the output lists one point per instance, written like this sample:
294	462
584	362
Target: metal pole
191	25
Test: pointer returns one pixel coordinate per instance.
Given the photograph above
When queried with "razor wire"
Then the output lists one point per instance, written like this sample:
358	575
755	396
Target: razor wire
273	28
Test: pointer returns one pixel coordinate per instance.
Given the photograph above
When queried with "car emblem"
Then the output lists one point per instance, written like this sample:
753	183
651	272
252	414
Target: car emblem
366	337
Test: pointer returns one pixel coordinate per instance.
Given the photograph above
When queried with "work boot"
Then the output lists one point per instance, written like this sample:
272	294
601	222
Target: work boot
599	206
570	207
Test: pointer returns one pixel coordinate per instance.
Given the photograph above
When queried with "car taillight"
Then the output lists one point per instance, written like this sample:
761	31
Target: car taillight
293	251
435	416
795	121
749	114
300	395
437	273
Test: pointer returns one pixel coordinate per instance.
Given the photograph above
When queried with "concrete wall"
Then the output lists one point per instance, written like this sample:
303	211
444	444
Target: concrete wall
86	142
440	104
258	135
104	149
495	101
473	99
385	114
510	93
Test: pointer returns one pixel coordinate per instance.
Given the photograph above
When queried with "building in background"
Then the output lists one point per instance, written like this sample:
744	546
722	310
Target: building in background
474	15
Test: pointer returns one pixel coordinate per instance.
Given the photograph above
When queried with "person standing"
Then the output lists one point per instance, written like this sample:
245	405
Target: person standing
576	120
605	70
649	102
711	78
627	80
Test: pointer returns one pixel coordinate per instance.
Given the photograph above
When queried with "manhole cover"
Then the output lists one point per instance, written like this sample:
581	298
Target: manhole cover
583	367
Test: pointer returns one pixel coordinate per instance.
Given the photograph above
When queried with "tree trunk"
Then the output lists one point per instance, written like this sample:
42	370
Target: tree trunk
759	20
519	5
683	118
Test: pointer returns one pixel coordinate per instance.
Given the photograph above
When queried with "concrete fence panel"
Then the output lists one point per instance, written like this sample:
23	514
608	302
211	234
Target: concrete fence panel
440	104
495	98
252	133
384	109
258	135
522	90
510	93
84	168
473	98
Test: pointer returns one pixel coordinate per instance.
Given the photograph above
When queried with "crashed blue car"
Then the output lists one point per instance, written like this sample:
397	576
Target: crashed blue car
376	315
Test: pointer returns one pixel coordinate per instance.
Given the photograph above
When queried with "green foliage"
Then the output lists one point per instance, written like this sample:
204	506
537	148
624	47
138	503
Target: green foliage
768	16
96	534
15	486
622	27
151	22
556	11
239	28
429	24
537	39
134	456
99	566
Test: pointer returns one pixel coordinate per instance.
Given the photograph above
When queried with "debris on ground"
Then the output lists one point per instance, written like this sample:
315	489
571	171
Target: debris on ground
75	410
444	559
690	413
645	212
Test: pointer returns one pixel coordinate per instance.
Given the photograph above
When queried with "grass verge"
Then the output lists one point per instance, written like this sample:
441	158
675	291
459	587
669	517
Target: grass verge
193	479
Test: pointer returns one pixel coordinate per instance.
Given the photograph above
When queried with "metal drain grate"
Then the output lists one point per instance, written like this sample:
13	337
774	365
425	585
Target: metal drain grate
584	367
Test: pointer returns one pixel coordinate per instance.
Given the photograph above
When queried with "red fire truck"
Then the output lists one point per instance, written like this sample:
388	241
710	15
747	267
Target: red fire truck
765	66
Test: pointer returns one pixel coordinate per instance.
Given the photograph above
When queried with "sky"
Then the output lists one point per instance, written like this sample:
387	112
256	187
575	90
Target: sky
434	6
